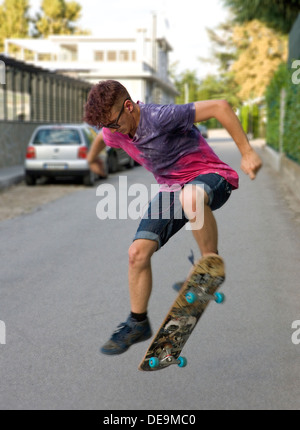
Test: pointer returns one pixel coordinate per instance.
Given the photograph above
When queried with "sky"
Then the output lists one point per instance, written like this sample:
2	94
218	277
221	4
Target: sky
183	23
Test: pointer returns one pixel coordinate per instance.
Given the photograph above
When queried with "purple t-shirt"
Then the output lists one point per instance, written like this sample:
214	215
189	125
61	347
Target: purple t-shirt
168	144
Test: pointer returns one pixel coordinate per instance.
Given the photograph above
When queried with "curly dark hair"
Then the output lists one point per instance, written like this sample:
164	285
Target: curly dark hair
102	97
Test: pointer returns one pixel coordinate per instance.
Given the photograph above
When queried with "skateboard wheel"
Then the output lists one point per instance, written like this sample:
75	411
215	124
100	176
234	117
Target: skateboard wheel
153	362
219	297
190	297
182	361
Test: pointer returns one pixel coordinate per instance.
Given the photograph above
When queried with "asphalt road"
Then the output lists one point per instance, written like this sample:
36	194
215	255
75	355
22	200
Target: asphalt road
63	286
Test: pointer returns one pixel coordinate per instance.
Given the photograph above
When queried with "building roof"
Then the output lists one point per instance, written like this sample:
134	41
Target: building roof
41	46
27	67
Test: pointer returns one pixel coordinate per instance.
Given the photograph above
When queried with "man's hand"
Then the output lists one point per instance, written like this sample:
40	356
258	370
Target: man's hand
98	167
96	164
251	163
221	110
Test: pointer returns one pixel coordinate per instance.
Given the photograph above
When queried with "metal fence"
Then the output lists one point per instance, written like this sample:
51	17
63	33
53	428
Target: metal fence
32	94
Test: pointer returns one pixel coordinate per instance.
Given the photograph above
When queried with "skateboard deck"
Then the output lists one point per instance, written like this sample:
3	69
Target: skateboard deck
197	291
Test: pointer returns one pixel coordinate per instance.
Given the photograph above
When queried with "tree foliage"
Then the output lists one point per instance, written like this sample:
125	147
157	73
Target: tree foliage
220	87
247	57
260	50
187	84
277	14
223	49
14	20
57	17
282	79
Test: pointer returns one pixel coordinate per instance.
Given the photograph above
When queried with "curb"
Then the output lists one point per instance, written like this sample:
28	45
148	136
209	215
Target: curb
287	169
11	176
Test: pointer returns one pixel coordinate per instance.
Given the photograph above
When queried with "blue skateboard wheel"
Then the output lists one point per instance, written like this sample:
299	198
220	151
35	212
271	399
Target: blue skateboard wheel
182	361
153	362
219	297
190	297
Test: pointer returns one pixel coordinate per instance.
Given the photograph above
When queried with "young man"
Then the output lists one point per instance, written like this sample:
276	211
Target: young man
165	141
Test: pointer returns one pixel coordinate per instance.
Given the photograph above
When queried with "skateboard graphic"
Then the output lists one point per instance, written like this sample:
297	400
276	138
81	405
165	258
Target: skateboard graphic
197	291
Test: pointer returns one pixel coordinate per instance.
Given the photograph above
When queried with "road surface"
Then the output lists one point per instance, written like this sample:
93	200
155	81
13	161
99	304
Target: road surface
63	286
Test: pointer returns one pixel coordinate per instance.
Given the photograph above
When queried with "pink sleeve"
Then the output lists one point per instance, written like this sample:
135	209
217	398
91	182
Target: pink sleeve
110	139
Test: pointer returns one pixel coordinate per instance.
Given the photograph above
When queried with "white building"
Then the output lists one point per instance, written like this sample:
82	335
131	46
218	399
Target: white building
139	62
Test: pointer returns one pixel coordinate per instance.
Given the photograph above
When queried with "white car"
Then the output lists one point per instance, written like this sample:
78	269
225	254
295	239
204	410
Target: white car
203	130
61	150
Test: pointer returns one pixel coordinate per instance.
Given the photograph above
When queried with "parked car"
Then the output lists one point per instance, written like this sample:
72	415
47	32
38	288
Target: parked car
203	130
117	158
61	150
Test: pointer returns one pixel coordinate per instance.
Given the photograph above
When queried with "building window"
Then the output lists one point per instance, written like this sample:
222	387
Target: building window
99	56
45	57
124	56
133	55
111	56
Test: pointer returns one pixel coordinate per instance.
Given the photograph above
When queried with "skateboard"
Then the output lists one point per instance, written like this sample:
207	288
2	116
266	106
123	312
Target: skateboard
197	291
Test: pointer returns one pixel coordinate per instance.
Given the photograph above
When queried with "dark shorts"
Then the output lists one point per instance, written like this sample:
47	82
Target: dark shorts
165	217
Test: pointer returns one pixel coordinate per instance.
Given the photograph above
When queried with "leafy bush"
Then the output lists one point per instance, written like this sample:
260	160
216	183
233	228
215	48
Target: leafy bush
279	81
291	136
250	118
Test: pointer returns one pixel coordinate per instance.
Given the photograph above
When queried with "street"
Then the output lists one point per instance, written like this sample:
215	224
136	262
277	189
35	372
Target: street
63	286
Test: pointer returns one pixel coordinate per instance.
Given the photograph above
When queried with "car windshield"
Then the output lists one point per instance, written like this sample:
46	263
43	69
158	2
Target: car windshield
57	136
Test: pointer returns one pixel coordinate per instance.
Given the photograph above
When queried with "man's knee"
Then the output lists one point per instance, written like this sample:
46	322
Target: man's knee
193	198
141	251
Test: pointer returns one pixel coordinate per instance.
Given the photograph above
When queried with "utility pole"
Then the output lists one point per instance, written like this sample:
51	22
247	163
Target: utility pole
154	35
281	122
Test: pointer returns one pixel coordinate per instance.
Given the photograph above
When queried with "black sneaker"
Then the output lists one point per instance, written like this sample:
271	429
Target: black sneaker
127	334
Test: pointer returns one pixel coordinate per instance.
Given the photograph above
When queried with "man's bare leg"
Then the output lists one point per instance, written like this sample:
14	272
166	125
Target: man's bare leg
137	327
194	201
207	236
140	274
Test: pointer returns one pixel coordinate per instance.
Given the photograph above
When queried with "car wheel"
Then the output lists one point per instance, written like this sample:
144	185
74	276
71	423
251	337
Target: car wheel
113	163
89	179
130	165
30	180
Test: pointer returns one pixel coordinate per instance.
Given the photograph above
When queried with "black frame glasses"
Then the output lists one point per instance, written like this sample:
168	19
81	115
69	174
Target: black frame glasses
115	124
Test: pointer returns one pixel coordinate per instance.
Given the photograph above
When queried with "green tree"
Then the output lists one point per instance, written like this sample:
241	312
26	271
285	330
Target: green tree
223	51
220	87
14	20
277	14
260	50
187	84
57	17
248	55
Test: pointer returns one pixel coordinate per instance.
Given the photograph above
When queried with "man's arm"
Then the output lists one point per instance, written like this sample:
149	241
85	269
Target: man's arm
221	110
95	163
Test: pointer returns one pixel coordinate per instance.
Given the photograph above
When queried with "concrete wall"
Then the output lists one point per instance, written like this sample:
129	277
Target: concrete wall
14	137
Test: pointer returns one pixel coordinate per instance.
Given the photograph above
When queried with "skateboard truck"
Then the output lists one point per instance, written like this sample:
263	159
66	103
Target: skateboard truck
203	296
166	358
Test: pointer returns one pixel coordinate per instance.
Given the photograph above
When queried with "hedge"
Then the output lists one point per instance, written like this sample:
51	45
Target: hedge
291	135
250	119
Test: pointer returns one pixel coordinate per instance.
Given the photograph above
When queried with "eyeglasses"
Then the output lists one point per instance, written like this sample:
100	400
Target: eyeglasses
115	124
